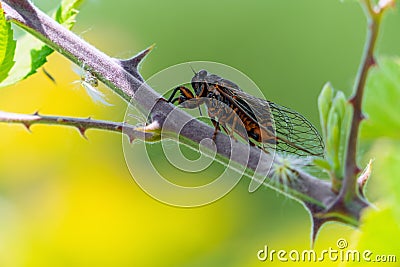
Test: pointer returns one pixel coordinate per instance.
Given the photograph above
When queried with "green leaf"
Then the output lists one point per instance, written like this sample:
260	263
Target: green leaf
67	12
334	115
322	163
379	233
344	111
31	53
386	169
7	46
324	105
381	104
332	140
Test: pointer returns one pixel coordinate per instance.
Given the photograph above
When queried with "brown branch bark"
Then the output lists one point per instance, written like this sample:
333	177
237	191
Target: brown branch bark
349	189
81	124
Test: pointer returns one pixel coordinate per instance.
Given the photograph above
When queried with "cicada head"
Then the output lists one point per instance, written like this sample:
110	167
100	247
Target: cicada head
199	83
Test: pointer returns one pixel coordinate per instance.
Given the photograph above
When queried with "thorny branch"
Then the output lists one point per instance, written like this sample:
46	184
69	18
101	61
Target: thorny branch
82	124
374	15
351	198
123	78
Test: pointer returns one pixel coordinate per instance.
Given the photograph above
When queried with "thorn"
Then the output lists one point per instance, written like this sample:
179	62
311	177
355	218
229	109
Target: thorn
135	61
363	179
36	113
373	62
357	170
362	117
131	65
27	126
131	138
351	101
317	223
82	132
129	134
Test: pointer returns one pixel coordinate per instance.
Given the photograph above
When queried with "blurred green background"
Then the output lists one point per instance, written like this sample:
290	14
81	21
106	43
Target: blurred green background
67	201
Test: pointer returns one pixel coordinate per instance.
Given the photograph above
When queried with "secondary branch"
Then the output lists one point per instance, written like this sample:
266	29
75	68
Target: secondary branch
81	124
374	15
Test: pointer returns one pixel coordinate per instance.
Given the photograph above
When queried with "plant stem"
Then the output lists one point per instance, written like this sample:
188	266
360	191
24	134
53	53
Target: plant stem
348	190
82	124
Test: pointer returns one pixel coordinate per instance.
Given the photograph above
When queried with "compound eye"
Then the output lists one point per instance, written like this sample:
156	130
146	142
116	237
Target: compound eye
202	73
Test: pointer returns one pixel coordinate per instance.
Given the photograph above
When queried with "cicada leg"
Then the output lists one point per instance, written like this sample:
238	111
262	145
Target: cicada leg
216	127
235	120
186	98
185	94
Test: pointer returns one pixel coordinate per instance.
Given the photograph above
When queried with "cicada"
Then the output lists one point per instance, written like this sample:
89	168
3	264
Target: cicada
263	123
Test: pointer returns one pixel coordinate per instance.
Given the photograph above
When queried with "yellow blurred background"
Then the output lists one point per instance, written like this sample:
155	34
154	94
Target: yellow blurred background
67	201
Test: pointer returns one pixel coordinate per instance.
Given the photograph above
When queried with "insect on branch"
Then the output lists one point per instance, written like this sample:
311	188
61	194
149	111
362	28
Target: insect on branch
123	78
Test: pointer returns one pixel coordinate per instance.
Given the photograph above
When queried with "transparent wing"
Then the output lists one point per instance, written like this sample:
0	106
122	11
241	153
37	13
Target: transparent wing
294	133
295	128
